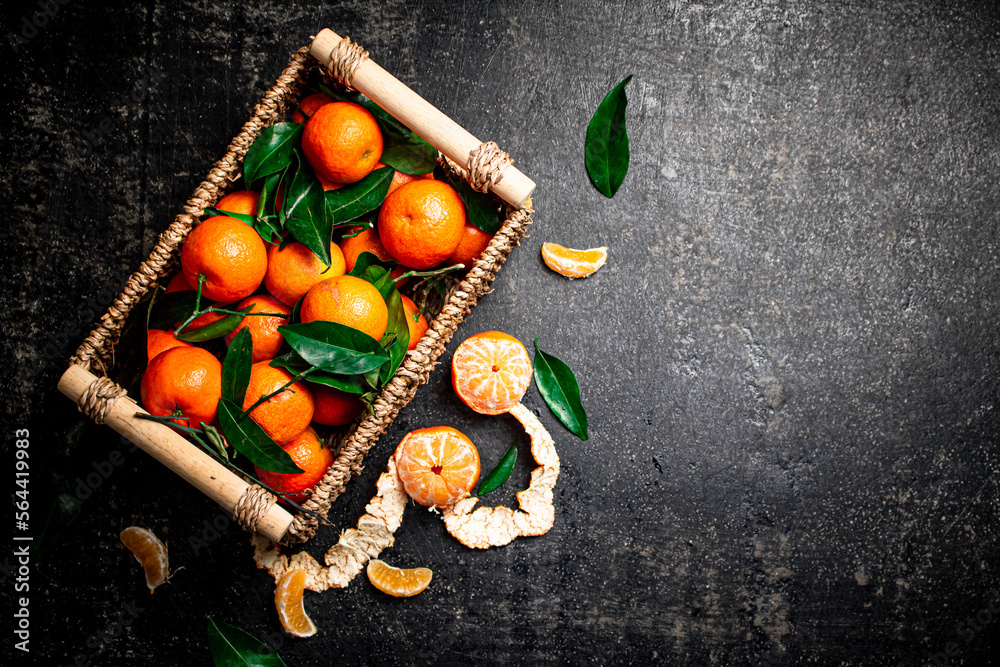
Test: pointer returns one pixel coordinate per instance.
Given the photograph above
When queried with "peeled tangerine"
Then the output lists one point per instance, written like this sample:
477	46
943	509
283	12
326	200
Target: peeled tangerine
573	263
149	551
288	602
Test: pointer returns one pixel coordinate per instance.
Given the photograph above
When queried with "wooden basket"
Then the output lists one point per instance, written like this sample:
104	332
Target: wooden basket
486	168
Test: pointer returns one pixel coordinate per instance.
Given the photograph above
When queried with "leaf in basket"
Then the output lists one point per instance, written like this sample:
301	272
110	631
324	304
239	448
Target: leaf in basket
606	150
501	472
232	647
403	149
272	151
268	221
242	217
249	439
172	309
559	388
368	259
397	331
480	209
294	364
236	367
354	200
305	212
334	347
216	329
131	350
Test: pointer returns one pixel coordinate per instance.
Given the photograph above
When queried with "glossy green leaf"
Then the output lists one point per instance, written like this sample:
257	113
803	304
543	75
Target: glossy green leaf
216	329
293	363
501	472
480	210
173	308
559	388
606	150
249	439
397	331
272	151
236	367
242	217
306	216
366	260
269	223
232	647
353	201
334	347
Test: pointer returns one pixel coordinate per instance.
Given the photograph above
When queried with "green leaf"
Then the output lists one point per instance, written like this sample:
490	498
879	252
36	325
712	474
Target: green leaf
232	647
236	367
293	363
559	388
480	209
606	150
216	329
242	217
249	439
173	308
366	260
306	216
397	331
334	347
354	200
272	151
496	477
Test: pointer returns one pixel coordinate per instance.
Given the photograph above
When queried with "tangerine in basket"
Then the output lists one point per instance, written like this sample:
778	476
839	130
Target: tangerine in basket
398	582
350	301
309	105
366	239
334	407
241	201
342	142
183	379
288	602
158	340
308	453
292	270
438	466
284	415
178	283
474	242
149	551
399	178
263	329
490	372
231	256
421	223
415	320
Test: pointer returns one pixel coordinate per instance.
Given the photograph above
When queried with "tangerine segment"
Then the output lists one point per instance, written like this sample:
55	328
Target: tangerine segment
495	526
438	466
149	551
288	602
490	372
398	582
573	263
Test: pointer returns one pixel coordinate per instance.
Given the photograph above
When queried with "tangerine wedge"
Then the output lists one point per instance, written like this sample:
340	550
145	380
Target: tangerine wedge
573	263
288	602
490	372
438	466
396	581
149	551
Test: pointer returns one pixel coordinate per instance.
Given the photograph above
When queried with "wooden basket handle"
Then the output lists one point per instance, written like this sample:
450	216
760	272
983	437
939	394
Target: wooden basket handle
421	116
169	448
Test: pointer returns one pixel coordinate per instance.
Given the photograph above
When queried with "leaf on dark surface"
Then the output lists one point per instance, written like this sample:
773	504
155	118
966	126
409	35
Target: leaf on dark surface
334	347
480	210
272	151
216	329
306	215
606	150
232	647
353	201
249	439
236	367
501	472
559	388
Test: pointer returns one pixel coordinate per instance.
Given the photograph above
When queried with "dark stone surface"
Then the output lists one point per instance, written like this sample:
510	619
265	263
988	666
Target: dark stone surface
790	362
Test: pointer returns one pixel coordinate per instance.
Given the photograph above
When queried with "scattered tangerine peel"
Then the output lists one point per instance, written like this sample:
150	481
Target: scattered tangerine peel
487	527
150	552
573	263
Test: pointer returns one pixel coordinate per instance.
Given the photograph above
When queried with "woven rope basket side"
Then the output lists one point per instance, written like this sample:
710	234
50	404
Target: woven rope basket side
98	346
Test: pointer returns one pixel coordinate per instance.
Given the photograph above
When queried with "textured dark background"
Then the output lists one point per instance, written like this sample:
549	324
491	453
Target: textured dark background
790	362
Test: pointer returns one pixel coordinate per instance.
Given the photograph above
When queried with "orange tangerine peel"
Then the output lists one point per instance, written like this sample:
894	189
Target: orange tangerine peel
573	263
150	552
485	527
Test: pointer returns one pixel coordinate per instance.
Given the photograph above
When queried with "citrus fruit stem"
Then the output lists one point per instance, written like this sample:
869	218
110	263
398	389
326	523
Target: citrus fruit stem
267	397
